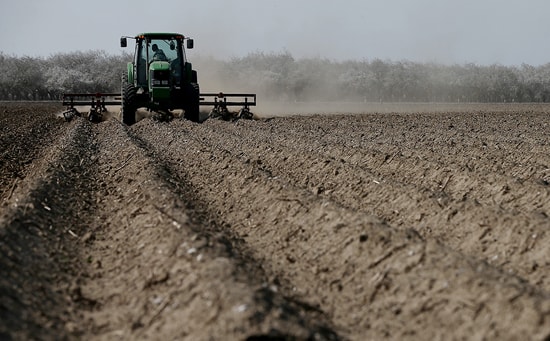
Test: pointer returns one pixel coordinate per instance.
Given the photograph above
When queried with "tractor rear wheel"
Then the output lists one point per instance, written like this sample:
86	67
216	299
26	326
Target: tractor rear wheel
129	93
191	104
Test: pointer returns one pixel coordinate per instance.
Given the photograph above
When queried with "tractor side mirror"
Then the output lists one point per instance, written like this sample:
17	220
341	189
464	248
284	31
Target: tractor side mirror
123	42
189	43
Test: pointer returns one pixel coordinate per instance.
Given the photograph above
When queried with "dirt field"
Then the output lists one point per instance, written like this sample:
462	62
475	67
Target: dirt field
421	224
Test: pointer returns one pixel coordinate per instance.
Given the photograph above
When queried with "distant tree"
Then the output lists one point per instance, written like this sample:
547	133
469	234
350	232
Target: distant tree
278	76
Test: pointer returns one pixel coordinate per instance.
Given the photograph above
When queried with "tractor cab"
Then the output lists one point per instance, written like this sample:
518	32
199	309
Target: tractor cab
159	60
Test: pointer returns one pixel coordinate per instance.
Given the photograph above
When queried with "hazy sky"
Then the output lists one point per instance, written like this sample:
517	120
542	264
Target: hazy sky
508	32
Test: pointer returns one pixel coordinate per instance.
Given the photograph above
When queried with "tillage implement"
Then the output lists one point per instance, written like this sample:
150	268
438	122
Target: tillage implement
160	79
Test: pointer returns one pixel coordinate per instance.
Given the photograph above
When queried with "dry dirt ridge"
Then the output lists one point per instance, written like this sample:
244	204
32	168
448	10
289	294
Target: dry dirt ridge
323	227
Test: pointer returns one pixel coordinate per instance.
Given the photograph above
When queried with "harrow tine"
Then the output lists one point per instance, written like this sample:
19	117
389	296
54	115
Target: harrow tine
97	103
220	103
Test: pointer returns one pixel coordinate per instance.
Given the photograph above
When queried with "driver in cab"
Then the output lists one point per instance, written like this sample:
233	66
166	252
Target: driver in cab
158	54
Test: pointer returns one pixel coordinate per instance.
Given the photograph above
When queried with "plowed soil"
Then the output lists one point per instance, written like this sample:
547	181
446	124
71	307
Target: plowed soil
418	224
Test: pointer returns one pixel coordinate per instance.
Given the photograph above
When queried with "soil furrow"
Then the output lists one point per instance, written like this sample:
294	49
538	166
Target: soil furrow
163	269
475	168
24	134
372	277
410	225
39	242
408	205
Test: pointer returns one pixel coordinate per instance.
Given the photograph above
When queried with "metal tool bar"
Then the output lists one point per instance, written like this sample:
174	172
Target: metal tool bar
90	99
222	99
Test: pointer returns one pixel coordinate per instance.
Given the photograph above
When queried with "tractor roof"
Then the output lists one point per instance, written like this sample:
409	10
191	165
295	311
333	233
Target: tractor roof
159	35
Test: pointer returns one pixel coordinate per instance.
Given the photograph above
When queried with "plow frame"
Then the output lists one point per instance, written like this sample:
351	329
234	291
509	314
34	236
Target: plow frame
97	103
220	103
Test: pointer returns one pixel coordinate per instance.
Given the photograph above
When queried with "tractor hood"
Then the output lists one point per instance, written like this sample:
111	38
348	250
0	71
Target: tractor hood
159	66
159	81
159	74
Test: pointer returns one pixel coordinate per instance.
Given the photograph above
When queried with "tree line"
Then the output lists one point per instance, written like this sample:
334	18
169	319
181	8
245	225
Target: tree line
281	77
39	78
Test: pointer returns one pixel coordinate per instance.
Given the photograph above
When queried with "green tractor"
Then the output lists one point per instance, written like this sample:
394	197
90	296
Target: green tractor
160	78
